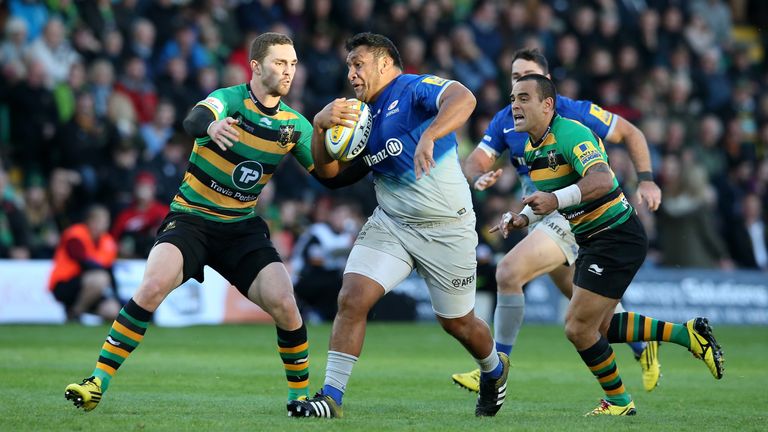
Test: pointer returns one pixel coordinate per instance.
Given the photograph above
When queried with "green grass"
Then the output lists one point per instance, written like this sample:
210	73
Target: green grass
229	378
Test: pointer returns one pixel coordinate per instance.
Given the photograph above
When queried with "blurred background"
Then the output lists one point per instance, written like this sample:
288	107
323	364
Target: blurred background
93	93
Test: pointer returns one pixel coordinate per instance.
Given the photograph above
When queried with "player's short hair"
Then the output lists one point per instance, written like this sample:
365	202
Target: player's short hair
379	45
544	86
261	44
534	55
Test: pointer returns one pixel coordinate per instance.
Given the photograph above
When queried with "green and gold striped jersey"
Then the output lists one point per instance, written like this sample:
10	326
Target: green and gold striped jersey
568	150
223	185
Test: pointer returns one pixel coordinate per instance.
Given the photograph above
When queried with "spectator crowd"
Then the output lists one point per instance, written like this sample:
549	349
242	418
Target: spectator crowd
92	95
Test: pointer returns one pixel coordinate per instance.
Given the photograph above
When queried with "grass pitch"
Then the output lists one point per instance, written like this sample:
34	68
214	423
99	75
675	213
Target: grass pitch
230	378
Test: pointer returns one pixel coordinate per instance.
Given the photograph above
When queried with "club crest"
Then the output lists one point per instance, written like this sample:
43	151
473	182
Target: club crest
286	134
552	160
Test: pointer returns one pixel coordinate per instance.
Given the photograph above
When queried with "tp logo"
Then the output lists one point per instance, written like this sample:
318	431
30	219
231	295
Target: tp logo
247	174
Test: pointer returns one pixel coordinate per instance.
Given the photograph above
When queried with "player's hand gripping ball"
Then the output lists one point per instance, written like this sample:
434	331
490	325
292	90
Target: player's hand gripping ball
345	143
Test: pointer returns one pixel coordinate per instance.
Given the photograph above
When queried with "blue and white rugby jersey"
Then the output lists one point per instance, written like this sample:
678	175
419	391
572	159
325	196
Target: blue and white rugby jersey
404	109
501	134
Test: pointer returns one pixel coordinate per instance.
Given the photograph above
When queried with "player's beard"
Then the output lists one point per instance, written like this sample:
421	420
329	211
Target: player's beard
274	86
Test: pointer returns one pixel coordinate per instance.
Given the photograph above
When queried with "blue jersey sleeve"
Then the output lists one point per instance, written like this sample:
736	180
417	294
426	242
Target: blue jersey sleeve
428	91
591	115
493	139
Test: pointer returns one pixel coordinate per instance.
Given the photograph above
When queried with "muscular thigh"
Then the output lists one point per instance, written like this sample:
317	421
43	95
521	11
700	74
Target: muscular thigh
558	229
535	255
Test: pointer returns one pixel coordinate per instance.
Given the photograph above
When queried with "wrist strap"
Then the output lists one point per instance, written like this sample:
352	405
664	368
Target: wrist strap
532	217
568	196
644	176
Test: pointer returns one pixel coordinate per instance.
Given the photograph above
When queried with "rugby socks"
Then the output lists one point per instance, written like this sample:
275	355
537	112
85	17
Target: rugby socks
125	335
507	320
602	362
337	373
294	352
632	327
637	347
491	366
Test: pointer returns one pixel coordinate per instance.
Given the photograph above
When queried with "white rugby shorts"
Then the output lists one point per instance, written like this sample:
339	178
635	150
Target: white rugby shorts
556	226
442	253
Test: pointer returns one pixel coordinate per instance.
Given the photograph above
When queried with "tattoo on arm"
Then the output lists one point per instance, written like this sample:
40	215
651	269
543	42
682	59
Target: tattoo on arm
598	168
597	181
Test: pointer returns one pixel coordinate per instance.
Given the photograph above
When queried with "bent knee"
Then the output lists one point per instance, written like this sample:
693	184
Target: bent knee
152	292
457	327
510	277
283	306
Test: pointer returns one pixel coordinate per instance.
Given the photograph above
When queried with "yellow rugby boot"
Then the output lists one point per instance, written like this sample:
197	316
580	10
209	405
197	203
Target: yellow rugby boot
85	395
705	347
607	408
649	363
468	380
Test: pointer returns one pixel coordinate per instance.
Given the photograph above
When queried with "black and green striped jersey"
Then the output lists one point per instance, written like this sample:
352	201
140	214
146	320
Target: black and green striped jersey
223	185
561	159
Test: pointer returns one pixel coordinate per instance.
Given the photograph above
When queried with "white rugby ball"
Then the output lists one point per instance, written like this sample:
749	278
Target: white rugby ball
345	143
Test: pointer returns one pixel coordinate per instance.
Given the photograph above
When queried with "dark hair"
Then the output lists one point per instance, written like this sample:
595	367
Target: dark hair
532	54
378	44
261	44
544	86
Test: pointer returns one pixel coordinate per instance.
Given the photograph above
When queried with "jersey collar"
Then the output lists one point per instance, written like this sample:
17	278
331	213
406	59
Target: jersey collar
268	111
546	133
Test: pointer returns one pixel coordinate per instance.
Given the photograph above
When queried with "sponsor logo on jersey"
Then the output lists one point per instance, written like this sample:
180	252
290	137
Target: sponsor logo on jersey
265	121
393	147
552	160
586	152
508	130
392	109
487	138
214	103
435	80
171	225
286	134
601	114
246	175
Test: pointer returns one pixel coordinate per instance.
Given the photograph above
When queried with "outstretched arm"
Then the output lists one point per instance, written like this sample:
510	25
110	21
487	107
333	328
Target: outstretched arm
637	146
477	169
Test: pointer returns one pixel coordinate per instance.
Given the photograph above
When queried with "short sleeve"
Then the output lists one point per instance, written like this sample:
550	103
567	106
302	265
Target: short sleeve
428	90
302	151
493	138
217	103
586	154
589	114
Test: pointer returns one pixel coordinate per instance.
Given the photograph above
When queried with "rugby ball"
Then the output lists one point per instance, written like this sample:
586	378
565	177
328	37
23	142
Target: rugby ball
345	143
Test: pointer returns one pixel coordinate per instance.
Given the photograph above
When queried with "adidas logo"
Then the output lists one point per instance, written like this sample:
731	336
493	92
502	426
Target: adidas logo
596	269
